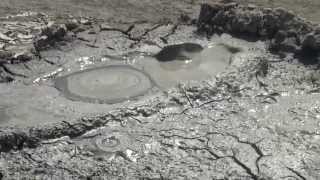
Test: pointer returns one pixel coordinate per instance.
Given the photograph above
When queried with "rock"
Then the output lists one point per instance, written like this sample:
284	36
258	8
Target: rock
317	29
55	31
85	21
51	34
24	37
5	37
208	12
72	24
184	18
288	32
92	31
79	29
283	14
311	41
5	79
280	36
5	55
289	45
105	27
23	56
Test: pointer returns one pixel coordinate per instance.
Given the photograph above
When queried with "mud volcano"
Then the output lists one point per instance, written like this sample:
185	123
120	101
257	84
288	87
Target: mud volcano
109	84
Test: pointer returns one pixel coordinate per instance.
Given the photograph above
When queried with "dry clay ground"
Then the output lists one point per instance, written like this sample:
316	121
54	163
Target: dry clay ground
258	120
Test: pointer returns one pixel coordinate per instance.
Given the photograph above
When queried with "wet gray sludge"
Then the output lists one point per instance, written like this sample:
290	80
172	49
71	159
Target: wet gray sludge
230	109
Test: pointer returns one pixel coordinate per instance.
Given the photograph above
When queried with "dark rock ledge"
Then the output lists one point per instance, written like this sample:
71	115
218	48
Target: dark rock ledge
287	32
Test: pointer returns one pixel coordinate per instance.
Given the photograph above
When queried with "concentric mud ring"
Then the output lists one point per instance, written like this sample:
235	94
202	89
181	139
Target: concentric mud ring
111	143
109	84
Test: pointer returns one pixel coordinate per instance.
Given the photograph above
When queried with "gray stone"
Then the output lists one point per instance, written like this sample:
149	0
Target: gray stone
72	24
311	41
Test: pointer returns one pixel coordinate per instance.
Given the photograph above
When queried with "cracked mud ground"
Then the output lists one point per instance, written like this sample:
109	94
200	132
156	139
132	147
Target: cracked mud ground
260	119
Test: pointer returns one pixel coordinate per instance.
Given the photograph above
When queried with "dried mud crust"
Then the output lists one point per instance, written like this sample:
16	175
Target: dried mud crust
24	35
209	130
217	129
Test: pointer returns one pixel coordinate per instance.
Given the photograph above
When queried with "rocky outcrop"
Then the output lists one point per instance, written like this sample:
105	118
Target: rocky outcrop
287	32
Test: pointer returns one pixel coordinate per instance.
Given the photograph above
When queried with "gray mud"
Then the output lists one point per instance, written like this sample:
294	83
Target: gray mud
232	111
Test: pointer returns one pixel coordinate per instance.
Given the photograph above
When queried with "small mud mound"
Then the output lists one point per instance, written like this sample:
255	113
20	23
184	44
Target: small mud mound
182	51
110	84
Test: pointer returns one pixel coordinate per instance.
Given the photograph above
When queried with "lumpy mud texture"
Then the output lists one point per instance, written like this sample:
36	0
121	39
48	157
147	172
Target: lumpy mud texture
110	84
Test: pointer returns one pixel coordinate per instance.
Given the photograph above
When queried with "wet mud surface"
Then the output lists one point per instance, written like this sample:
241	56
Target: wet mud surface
227	108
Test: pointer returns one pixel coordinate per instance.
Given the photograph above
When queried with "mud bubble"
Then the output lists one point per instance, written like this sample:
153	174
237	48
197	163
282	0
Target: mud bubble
105	85
182	51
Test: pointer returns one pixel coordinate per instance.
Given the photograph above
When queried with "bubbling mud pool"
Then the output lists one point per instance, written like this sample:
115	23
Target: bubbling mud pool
186	62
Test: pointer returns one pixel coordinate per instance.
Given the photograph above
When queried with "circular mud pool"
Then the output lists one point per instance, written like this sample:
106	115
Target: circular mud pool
109	84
